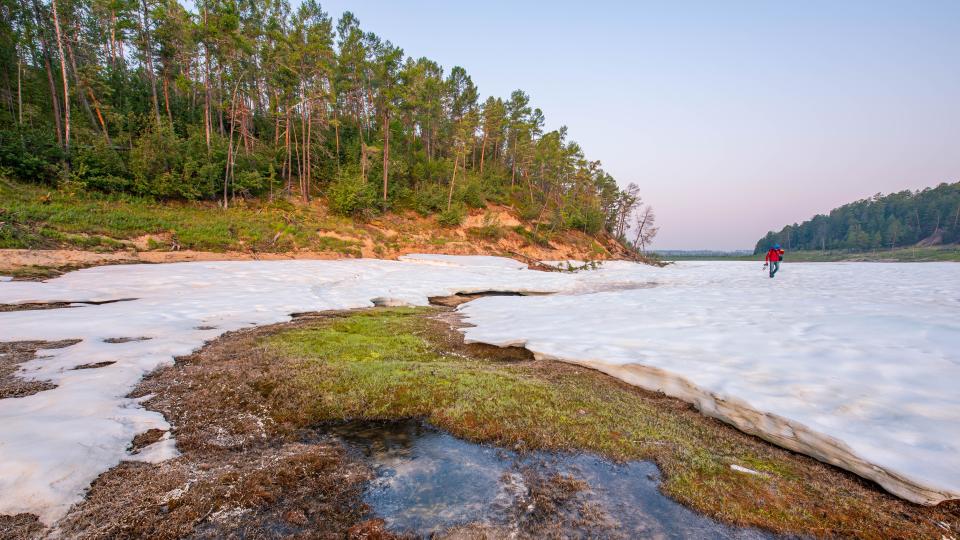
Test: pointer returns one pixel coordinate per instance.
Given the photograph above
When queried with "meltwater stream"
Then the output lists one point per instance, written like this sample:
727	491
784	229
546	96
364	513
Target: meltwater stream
428	482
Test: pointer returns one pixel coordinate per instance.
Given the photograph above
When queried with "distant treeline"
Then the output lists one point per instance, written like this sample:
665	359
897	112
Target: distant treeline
224	99
927	217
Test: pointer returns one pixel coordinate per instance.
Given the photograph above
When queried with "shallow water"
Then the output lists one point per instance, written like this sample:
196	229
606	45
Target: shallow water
427	481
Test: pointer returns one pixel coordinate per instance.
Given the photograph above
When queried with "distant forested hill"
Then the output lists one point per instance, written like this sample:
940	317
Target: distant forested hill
927	217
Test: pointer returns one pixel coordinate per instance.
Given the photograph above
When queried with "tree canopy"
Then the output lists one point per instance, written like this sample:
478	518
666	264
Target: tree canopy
930	216
226	99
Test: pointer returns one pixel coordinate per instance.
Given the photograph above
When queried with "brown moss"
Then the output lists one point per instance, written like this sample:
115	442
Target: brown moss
20	527
12	354
290	490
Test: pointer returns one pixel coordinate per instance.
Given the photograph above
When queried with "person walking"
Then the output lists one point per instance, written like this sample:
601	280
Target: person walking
774	256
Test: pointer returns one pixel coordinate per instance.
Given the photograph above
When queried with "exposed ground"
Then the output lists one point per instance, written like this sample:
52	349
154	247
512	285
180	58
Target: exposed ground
248	412
44	233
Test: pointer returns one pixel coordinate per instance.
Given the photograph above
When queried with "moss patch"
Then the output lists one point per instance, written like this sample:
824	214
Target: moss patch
396	363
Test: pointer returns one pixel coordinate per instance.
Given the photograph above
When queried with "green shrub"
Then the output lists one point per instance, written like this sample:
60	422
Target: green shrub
249	182
98	166
491	233
452	216
155	161
583	218
204	168
349	195
31	155
473	194
429	199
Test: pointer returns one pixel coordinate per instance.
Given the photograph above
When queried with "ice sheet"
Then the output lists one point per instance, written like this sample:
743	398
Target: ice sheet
856	364
859	353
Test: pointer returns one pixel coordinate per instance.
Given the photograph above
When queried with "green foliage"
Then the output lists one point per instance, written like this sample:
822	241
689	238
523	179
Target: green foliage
429	199
588	219
30	154
156	162
37	218
472	194
452	216
350	195
98	166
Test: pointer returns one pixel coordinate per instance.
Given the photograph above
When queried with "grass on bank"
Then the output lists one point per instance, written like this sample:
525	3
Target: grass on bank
400	363
37	217
32	217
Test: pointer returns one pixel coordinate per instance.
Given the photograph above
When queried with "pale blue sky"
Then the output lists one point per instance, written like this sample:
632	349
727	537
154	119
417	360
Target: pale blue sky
733	117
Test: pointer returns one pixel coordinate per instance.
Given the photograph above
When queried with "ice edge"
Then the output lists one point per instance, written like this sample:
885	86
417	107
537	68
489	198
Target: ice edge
770	427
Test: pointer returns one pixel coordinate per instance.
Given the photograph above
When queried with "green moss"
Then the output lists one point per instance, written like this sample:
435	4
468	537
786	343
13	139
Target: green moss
389	363
401	363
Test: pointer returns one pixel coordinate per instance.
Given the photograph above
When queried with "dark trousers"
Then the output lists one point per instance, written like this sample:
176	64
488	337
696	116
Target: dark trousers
774	266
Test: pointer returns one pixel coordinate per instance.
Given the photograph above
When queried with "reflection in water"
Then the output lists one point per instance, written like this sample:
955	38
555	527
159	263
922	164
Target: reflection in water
428	481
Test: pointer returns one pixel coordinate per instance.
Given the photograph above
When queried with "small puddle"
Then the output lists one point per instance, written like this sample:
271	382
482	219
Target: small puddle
427	482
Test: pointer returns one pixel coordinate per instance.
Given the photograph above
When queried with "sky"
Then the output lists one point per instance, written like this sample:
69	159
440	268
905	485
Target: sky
733	117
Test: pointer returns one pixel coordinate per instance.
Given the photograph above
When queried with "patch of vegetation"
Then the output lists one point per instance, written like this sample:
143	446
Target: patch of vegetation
532	237
38	218
491	230
351	195
33	272
490	233
400	363
337	245
573	268
452	216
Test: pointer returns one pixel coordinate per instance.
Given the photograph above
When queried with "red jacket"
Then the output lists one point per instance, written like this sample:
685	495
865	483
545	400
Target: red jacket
774	255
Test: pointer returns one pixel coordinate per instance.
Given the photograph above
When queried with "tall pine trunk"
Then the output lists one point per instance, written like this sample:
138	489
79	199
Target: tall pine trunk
54	100
81	87
453	180
63	73
19	90
148	57
166	100
483	150
386	155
